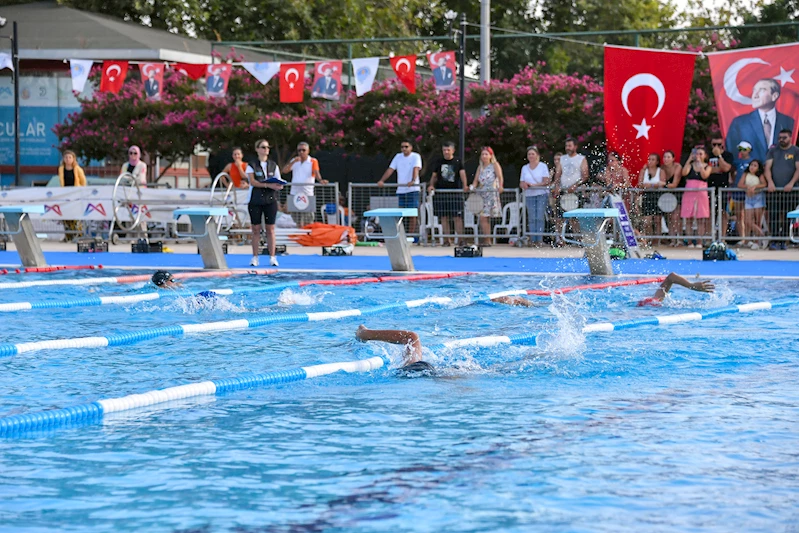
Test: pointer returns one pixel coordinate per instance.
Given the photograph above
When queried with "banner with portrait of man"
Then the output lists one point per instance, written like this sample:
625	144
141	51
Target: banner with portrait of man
442	65
152	77
217	77
327	80
756	95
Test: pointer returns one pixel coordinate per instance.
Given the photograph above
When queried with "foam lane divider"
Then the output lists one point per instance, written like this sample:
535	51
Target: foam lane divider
130	299
31	270
529	339
95	411
130	279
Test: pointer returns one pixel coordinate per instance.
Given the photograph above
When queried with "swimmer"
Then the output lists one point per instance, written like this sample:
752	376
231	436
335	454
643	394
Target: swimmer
411	358
675	279
517	301
164	280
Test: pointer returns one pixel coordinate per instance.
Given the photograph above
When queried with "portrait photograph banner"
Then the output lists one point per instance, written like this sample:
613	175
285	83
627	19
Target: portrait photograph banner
327	80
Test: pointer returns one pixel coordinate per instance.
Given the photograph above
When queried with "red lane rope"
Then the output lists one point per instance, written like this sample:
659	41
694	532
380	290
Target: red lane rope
596	286
191	275
381	279
59	268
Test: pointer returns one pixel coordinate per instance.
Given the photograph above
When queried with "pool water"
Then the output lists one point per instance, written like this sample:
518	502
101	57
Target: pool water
690	427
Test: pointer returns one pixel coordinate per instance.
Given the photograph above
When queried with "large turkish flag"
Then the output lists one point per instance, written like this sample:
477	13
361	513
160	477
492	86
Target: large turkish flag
646	101
751	84
114	73
292	82
405	69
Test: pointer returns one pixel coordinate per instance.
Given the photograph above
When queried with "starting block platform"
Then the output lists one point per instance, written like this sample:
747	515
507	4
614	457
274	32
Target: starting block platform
793	216
592	225
394	235
21	232
203	230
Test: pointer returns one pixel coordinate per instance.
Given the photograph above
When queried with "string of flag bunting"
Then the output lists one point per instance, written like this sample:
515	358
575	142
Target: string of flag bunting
326	75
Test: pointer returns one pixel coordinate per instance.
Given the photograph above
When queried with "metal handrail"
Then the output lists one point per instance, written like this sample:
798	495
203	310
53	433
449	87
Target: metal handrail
600	233
226	199
130	181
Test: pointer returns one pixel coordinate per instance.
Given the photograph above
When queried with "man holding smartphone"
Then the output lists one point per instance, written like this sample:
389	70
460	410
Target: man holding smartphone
721	163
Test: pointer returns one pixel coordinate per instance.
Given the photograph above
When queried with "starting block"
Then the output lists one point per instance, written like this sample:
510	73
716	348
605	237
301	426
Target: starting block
394	235
793	216
592	224
203	230
21	232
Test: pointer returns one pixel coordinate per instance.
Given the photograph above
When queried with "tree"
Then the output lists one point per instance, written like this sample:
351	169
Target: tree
776	11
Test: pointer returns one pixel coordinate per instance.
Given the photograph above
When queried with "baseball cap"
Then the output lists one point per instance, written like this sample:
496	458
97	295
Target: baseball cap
743	145
161	277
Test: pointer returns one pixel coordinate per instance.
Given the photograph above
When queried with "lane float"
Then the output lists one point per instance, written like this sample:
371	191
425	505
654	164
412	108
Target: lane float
130	279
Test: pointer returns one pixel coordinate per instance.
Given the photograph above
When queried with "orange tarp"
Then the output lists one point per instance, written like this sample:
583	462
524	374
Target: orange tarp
325	235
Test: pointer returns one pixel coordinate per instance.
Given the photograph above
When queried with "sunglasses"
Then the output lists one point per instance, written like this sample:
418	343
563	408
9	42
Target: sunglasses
717	144
264	147
302	150
784	138
744	149
404	146
133	153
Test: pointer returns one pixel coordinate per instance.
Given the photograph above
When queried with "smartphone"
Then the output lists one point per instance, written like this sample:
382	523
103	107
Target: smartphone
693	152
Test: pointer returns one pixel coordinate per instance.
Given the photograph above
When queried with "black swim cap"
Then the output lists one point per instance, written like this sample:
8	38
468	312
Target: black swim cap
161	277
417	369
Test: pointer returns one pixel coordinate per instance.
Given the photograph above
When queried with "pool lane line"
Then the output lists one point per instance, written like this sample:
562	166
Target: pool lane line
95	411
133	279
94	301
529	339
40	270
122	339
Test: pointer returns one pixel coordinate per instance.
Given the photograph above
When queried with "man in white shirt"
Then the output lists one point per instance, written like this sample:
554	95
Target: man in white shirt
570	172
304	169
408	165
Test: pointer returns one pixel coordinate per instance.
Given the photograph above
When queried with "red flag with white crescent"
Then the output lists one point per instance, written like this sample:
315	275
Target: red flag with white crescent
292	82
191	70
442	65
152	79
646	102
405	69
114	73
756	92
327	80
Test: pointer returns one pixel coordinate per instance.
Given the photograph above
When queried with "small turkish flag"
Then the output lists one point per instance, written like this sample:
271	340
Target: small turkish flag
646	102
405	69
292	82
114	73
191	70
752	85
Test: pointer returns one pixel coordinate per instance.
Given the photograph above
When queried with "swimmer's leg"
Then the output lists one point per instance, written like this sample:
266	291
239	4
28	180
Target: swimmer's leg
413	346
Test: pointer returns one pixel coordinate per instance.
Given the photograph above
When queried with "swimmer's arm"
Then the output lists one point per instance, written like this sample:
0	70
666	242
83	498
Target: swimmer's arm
676	279
413	346
514	300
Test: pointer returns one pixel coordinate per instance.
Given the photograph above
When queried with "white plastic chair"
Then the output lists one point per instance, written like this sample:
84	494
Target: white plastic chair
511	219
431	222
470	221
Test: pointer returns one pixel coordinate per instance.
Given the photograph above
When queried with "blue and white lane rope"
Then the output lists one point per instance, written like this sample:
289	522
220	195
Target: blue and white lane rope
95	411
121	339
529	339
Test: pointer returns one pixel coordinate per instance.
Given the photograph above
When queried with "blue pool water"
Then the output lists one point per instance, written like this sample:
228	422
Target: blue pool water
690	427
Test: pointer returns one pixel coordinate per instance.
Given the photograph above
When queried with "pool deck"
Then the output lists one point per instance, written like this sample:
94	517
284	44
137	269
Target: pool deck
499	259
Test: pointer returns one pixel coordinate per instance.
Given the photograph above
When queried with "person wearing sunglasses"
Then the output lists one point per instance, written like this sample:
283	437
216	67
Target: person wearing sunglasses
303	169
721	164
265	181
135	166
408	165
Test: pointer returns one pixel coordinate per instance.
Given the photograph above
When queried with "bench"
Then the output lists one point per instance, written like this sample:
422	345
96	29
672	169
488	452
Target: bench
203	230
394	235
592	225
22	233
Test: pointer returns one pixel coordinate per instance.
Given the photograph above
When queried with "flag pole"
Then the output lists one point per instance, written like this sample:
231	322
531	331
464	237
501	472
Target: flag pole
462	125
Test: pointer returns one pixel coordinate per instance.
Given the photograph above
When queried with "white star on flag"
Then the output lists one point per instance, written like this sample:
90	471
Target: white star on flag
786	76
642	129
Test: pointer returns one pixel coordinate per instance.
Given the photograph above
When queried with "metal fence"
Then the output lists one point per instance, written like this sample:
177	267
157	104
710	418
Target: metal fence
757	219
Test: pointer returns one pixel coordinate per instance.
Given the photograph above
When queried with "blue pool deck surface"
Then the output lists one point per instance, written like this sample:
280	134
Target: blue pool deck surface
427	263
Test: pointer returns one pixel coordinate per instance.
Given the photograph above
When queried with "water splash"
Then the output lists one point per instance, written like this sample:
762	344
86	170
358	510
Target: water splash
289	297
564	338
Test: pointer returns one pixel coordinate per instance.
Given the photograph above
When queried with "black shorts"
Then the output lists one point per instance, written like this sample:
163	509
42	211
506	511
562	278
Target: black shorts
267	211
448	204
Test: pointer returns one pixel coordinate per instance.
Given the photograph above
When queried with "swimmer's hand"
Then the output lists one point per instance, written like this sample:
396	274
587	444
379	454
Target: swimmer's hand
359	333
703	286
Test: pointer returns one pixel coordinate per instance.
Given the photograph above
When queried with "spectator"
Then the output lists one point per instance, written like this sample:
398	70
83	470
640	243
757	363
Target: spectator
488	181
408	165
135	166
696	203
265	181
448	175
721	163
304	169
651	177
740	166
755	183
535	181
237	170
782	172
672	172
570	174
71	175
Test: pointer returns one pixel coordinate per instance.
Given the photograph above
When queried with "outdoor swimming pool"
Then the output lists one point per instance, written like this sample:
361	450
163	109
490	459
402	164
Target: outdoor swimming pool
684	427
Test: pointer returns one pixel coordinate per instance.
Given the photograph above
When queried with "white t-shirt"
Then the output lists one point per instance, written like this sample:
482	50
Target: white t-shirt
572	172
536	178
249	170
404	167
651	179
303	173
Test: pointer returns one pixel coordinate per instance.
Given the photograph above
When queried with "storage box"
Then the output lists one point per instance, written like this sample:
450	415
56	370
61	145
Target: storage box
468	251
280	249
340	250
92	246
143	247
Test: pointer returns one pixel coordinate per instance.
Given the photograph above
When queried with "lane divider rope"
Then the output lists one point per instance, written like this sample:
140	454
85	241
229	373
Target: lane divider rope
126	338
529	339
131	279
94	412
40	270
